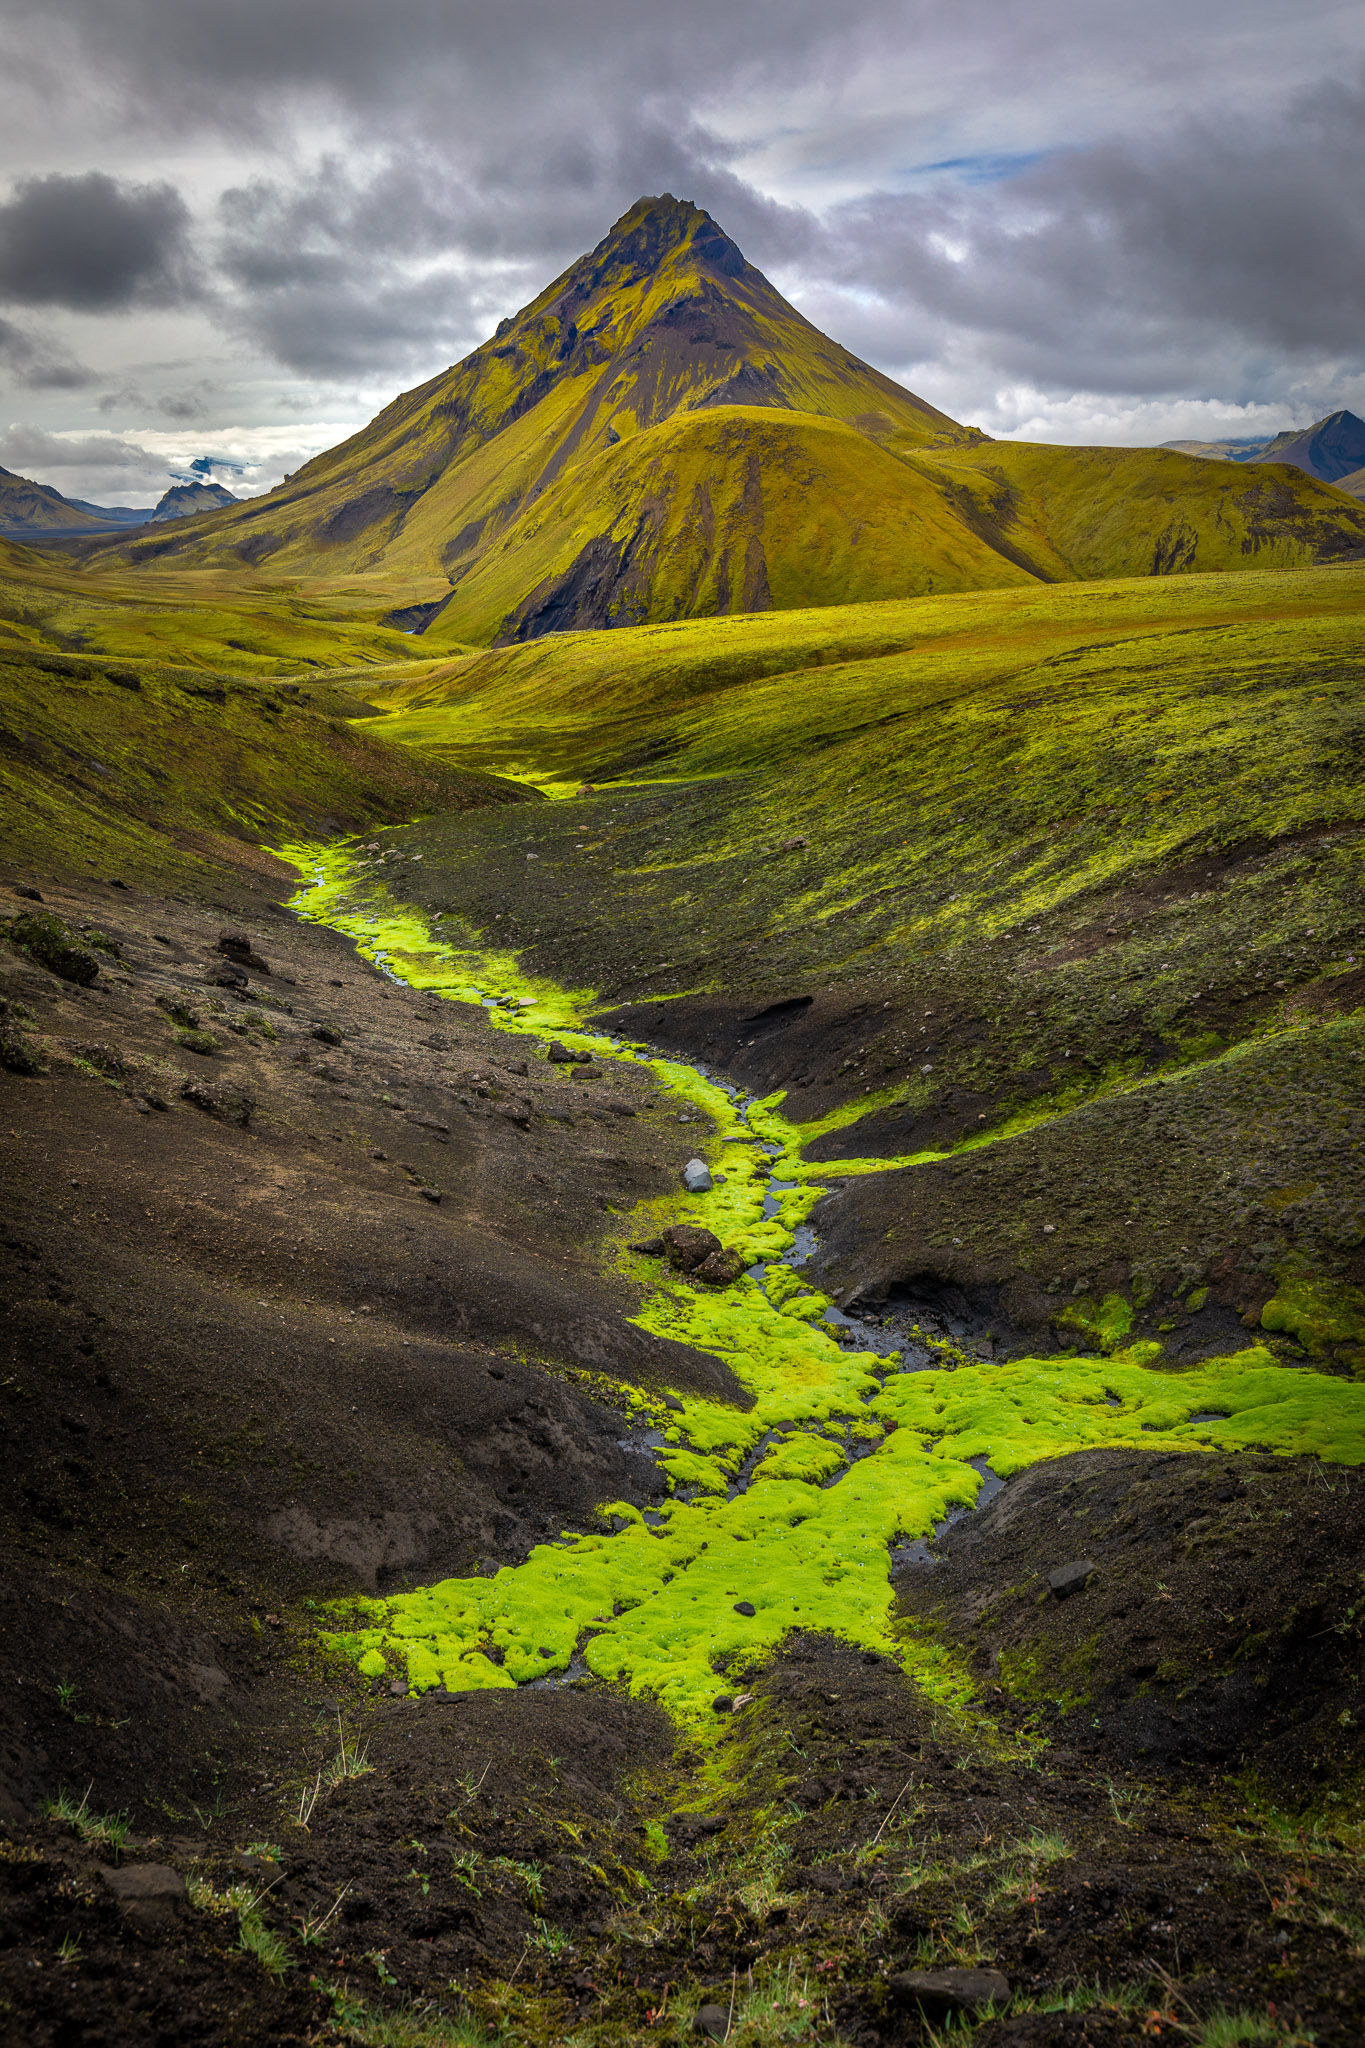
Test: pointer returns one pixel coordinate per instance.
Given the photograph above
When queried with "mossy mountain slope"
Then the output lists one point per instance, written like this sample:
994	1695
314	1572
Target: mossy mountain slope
1075	871
661	436
663	316
27	507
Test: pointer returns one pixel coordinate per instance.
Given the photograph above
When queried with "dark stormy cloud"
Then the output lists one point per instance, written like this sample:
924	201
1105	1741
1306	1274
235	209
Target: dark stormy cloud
94	245
1071	218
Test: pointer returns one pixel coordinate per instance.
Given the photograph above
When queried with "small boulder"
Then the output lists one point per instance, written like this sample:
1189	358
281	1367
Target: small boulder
326	1034
560	1056
697	1177
230	1105
653	1246
712	2021
720	1268
941	1992
53	945
1070	1578
147	1892
745	1607
688	1245
724	1704
237	946
32	895
179	1009
195	1040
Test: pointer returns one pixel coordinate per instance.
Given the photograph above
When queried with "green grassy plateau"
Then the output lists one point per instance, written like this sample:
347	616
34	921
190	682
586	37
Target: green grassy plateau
246	626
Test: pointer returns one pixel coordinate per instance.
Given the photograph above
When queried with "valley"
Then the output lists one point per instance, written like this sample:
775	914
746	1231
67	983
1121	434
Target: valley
683	1234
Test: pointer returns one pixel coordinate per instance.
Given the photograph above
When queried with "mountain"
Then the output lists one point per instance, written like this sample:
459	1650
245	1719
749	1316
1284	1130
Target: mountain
182	501
1331	448
661	435
30	510
27	508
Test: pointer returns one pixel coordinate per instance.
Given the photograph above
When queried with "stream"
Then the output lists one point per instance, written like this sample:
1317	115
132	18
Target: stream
861	1445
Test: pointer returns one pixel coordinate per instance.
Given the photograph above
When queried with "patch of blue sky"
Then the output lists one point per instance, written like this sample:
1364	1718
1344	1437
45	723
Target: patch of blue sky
984	168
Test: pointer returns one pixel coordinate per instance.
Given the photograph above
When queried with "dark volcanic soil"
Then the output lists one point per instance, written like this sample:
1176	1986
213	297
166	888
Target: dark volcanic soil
317	1303
549	1859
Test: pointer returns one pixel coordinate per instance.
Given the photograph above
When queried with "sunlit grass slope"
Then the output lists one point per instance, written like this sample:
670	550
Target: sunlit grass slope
881	685
204	618
734	509
142	770
1152	512
964	806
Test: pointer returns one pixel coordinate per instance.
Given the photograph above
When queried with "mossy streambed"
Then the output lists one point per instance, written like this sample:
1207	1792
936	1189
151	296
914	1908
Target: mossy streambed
781	1516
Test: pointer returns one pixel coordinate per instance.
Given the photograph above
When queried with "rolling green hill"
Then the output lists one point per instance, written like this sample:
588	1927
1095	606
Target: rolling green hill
661	436
197	618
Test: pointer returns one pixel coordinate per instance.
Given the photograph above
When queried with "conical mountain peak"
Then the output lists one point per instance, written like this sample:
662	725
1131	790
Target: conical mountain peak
663	320
653	228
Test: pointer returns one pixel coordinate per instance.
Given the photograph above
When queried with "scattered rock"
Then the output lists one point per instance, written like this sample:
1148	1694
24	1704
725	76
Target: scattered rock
1070	1578
17	1056
688	1245
559	1055
229	975
230	1105
713	2021
147	1892
33	895
940	1992
430	1194
326	1034
672	1402
587	1073
197	1041
723	1704
618	1108
745	1607
721	1267
52	944
653	1246
697	1177
237	946
790	845
179	1009
429	1123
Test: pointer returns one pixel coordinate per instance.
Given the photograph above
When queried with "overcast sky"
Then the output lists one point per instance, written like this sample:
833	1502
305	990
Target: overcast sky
235	228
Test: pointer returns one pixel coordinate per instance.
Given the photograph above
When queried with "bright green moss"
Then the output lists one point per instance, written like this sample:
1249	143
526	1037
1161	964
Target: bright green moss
655	1604
1321	1317
1105	1324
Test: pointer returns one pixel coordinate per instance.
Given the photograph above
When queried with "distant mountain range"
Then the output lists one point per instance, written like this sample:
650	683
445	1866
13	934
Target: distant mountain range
660	435
1332	449
31	511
